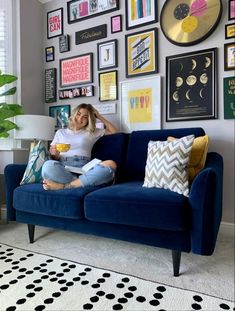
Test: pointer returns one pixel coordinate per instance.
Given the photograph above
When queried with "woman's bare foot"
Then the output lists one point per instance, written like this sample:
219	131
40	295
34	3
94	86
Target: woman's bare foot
52	185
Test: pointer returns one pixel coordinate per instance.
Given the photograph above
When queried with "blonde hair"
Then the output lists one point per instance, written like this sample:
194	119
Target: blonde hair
91	124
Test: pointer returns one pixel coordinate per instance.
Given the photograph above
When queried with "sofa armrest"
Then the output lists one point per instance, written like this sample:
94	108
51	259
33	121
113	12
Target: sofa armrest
206	201
13	174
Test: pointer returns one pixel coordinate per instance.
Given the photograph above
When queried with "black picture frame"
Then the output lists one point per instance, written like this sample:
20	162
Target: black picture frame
82	70
55	23
50	54
231	10
142	19
64	43
229	56
50	85
88	9
141	57
229	31
61	113
191	86
108	86
107	54
116	23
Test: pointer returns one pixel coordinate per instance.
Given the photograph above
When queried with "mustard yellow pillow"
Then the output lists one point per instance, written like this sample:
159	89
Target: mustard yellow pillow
198	155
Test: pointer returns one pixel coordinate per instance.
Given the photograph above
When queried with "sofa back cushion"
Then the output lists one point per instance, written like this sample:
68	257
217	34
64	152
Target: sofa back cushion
138	148
112	147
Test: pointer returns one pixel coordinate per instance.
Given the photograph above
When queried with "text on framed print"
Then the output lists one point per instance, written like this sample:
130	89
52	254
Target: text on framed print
55	23
83	91
91	34
76	70
141	53
50	85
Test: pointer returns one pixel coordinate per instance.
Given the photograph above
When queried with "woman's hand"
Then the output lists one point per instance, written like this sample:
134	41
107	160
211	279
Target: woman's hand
97	114
54	152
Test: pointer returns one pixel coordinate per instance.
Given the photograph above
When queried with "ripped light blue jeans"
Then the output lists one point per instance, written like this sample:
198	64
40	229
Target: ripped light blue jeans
98	175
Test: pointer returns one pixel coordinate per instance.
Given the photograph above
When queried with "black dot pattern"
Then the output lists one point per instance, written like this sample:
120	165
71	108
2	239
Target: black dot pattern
51	283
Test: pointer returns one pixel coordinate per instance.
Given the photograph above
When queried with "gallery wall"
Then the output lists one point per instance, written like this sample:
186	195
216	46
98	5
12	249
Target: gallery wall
221	131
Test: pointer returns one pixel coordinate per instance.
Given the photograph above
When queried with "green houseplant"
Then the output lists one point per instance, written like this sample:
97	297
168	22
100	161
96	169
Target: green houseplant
8	110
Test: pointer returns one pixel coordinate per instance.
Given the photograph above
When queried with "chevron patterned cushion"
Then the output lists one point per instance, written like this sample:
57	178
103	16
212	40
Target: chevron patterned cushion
166	165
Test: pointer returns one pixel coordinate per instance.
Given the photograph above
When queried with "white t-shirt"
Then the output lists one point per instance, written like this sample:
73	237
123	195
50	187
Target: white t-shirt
81	142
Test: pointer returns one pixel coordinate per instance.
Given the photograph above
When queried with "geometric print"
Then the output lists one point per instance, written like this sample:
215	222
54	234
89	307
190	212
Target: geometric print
166	165
33	281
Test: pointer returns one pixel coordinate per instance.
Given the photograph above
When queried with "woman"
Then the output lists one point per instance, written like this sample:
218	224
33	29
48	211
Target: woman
81	134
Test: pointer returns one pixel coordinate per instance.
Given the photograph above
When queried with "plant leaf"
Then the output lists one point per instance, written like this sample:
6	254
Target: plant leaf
9	111
5	79
6	126
9	92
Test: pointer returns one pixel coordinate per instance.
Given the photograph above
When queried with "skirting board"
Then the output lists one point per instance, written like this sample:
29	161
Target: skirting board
227	229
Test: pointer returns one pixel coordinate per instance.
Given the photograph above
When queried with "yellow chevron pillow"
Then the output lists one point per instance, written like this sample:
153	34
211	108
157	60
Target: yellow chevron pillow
198	155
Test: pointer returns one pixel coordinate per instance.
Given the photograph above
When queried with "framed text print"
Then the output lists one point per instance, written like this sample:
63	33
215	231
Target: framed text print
141	53
140	13
50	53
76	70
50	85
141	104
108	86
229	97
191	86
107	54
116	23
231	9
82	9
55	23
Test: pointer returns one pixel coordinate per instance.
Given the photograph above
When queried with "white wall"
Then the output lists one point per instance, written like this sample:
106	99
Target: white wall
220	131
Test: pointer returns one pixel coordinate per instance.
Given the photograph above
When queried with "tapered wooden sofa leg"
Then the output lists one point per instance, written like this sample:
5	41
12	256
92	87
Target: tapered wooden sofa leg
31	229
176	256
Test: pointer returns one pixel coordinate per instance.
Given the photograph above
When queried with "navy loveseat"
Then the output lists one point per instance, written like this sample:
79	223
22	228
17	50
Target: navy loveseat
126	210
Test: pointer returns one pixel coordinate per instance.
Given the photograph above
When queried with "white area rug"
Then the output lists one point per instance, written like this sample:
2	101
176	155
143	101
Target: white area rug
33	281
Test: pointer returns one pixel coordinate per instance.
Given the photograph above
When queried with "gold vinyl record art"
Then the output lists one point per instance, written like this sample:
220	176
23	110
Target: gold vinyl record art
188	22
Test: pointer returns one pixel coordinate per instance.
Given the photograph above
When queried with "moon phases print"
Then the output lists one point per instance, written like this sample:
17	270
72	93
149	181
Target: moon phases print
191	86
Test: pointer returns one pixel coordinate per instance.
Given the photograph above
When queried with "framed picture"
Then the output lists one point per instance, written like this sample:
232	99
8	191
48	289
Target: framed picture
76	70
107	54
64	43
231	9
90	34
191	86
50	53
141	104
230	31
50	85
116	23
108	86
229	97
61	114
229	56
81	9
83	91
140	13
141	53
55	23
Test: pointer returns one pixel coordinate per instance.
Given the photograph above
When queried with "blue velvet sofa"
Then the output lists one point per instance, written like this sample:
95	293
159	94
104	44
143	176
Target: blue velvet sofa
126	210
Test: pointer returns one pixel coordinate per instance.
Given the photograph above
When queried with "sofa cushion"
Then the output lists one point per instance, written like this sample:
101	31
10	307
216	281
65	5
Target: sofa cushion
67	203
131	204
138	146
166	165
112	147
38	155
198	155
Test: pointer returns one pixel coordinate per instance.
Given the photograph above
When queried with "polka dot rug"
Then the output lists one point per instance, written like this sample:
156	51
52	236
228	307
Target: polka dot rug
34	281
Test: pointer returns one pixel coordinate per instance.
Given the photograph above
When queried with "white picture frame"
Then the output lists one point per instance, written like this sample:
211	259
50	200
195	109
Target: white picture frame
140	104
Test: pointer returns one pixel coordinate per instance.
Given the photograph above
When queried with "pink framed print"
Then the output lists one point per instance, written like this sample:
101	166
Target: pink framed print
55	23
76	70
116	23
231	9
